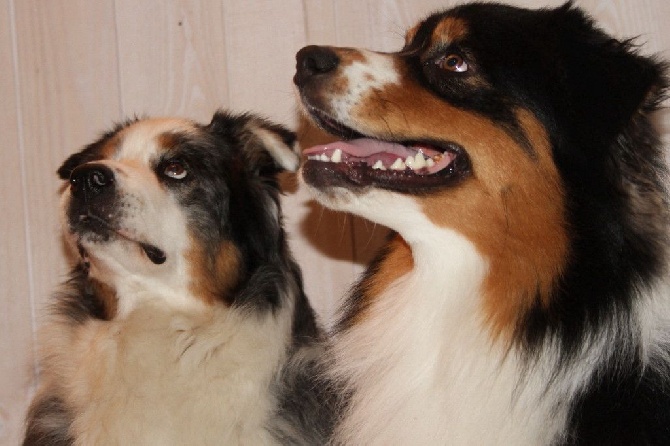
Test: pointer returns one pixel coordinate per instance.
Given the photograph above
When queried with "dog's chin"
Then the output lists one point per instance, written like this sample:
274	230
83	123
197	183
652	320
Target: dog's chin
410	167
103	247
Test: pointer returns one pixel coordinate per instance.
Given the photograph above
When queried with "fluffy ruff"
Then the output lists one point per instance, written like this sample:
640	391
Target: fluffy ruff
184	320
523	297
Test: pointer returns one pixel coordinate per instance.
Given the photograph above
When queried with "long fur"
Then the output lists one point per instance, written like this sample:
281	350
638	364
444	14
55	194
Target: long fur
523	297
184	319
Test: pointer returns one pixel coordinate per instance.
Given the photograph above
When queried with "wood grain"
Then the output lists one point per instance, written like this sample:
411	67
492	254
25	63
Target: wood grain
70	68
16	337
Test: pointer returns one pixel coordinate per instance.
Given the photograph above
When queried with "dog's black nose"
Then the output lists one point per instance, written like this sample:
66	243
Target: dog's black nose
314	60
89	180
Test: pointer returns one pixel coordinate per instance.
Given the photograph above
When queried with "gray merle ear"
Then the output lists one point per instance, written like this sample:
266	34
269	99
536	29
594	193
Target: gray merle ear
268	148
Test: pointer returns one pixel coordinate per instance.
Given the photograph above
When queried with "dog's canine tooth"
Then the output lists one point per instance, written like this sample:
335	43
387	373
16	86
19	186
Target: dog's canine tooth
337	156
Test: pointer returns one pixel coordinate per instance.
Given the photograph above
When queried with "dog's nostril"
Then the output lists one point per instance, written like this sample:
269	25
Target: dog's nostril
91	179
313	60
98	179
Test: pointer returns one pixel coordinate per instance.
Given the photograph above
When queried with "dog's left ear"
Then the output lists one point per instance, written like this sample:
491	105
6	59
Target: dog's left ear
605	78
268	148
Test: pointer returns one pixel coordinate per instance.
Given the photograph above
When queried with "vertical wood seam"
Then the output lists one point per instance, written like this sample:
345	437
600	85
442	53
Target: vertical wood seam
24	188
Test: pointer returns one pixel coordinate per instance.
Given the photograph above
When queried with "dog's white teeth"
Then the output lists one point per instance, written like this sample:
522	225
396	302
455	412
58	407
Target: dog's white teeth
379	165
398	165
337	156
409	162
430	162
419	162
324	158
314	157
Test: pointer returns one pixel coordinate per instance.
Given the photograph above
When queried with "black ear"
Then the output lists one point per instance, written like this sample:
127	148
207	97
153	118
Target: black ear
268	148
606	79
89	153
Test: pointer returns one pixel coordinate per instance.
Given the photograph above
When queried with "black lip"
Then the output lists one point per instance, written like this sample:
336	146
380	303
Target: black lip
99	229
359	175
332	126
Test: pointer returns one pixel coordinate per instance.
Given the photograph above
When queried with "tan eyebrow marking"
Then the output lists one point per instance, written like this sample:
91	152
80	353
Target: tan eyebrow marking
448	31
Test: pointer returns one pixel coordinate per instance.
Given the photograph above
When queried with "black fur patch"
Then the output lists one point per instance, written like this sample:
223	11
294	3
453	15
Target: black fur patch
594	95
48	423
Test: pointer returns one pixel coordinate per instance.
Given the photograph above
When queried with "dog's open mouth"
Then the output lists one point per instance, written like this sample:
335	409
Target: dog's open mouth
363	161
102	228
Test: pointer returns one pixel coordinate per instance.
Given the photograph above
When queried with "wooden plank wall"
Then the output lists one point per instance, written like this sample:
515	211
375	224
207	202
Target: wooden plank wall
70	68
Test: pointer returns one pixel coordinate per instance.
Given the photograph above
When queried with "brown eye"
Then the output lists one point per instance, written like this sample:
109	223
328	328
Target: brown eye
452	62
175	170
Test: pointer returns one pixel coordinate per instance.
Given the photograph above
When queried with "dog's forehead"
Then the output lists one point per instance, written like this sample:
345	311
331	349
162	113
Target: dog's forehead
148	138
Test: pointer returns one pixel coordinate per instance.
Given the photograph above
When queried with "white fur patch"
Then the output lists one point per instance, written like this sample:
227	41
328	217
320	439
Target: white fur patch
286	156
424	369
362	77
421	362
165	377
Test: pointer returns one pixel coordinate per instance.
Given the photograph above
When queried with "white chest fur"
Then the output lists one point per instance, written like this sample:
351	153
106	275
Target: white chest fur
424	370
161	378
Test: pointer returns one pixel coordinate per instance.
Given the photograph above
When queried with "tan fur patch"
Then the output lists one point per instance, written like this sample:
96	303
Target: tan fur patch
108	297
411	33
512	207
110	147
448	31
213	278
347	56
168	140
397	263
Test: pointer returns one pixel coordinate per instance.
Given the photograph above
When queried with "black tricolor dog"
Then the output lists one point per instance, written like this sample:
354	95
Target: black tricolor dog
184	320
524	297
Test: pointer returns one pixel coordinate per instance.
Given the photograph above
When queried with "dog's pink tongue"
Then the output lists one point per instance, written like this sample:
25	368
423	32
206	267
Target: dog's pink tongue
373	150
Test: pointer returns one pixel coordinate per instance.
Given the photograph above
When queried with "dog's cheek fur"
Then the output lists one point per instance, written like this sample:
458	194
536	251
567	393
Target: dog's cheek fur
513	207
214	271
